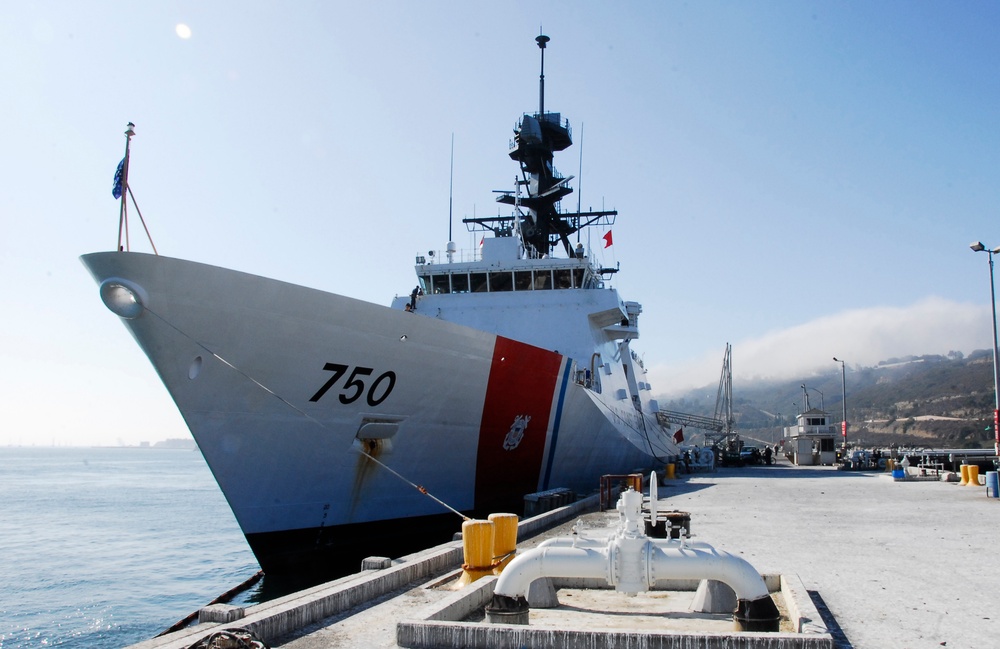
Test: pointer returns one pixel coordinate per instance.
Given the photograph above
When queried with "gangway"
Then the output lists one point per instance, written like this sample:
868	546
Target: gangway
674	418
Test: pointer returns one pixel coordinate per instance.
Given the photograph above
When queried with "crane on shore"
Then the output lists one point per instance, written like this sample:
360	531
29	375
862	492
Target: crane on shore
719	429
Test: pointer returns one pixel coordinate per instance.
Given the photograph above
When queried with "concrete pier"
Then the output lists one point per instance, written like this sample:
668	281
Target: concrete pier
857	559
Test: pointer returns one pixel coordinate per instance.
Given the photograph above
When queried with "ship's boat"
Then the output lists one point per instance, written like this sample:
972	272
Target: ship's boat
338	428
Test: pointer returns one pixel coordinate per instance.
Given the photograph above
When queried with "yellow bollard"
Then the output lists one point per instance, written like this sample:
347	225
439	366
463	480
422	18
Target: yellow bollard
965	475
974	475
670	471
504	540
477	549
889	465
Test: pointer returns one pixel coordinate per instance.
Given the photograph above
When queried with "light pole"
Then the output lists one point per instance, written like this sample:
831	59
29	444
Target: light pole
979	247
843	384
822	400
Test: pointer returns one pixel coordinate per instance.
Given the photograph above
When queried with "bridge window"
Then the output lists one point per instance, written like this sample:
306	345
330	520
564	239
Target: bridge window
522	280
477	282
578	278
563	278
501	282
460	283
543	280
440	284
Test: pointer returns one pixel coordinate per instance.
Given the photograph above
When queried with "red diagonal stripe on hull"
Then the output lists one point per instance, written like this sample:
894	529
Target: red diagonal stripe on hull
522	384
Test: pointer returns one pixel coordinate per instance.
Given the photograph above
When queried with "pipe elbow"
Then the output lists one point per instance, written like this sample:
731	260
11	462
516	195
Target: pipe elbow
550	561
708	563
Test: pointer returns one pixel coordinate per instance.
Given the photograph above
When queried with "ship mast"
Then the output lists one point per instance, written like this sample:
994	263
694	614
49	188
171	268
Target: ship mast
541	39
540	224
536	139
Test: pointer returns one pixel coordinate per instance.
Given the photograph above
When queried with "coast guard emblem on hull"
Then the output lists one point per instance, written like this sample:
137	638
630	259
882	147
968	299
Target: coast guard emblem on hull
516	433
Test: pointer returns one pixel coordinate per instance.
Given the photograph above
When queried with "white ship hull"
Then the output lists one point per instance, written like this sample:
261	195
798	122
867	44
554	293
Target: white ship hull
326	420
282	386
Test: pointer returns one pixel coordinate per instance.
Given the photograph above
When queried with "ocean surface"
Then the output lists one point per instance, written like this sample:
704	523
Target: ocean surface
106	547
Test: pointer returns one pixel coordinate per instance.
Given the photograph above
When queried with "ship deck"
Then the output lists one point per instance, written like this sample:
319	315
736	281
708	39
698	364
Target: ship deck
870	561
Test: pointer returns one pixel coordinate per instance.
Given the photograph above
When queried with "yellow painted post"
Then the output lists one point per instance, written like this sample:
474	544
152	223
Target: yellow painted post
965	475
477	549
670	471
504	540
973	475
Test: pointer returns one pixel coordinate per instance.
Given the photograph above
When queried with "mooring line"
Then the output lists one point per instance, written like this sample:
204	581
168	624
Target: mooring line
319	423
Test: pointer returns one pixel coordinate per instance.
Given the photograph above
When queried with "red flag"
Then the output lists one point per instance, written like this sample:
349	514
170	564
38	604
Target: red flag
607	239
482	241
679	435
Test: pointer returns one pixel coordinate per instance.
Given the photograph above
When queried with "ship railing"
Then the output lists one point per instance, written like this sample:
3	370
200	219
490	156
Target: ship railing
557	118
462	255
795	431
466	255
551	118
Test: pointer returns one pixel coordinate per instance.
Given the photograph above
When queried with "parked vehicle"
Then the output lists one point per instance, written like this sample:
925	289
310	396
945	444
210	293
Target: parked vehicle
751	455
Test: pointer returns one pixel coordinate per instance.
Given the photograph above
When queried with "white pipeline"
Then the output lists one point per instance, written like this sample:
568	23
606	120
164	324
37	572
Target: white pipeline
631	569
630	561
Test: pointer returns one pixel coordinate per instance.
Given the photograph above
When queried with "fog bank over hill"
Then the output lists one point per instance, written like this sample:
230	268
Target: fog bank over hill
920	401
861	337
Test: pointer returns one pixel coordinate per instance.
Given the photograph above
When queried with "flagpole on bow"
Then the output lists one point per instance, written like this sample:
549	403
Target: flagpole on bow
121	186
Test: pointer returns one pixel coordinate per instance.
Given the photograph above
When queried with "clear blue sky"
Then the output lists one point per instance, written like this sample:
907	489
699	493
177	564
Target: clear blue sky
800	179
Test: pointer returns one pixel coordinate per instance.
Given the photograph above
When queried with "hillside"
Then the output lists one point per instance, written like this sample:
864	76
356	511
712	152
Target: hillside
930	401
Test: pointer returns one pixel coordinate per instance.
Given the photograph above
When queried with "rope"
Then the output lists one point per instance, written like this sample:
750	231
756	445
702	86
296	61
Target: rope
148	235
503	557
277	396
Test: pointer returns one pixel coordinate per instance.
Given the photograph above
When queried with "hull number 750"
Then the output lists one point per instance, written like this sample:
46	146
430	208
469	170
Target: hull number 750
355	385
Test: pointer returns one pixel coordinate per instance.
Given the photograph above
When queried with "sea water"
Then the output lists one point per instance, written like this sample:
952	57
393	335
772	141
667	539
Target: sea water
106	547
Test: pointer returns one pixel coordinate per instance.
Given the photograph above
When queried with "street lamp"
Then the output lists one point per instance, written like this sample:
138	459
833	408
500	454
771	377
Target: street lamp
843	383
979	247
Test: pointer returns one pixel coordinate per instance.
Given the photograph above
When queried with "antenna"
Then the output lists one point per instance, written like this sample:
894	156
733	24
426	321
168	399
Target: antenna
451	183
450	248
541	39
579	186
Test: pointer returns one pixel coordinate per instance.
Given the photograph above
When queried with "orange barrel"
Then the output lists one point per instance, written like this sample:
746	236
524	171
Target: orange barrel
504	540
